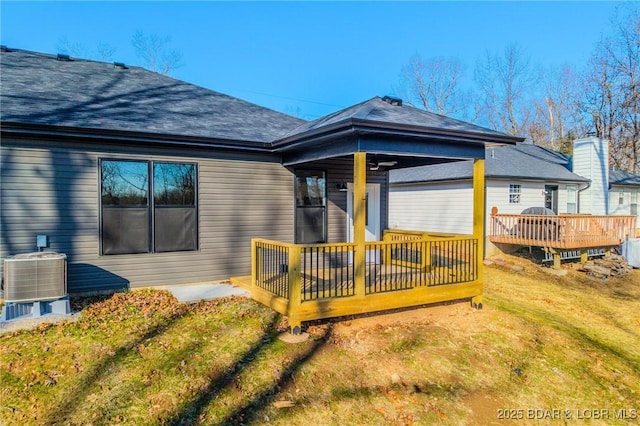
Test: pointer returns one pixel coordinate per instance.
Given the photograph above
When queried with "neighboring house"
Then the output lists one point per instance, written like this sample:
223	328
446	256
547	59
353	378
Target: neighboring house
436	198
624	192
146	180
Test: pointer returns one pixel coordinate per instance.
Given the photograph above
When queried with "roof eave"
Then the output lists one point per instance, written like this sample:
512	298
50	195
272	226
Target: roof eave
22	129
496	177
360	126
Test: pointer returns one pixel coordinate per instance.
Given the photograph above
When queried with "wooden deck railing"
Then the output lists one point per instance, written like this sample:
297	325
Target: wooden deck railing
313	281
565	231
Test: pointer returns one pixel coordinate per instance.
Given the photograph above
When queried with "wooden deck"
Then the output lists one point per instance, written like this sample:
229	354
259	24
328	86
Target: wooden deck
308	282
561	232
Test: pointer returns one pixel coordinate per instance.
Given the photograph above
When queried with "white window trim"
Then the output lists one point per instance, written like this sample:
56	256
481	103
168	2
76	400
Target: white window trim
572	199
515	193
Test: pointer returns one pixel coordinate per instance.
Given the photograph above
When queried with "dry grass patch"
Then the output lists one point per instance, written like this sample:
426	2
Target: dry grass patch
542	342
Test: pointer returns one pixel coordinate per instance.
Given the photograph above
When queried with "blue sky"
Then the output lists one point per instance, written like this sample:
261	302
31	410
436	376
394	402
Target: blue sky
312	58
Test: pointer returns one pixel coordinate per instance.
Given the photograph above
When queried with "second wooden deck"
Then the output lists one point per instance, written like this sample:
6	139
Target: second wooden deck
565	231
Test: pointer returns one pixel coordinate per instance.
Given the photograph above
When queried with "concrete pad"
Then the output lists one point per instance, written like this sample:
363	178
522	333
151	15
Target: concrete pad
293	338
197	292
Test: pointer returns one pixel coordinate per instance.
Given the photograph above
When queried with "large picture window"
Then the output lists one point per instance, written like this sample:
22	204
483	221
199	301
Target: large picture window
135	222
311	207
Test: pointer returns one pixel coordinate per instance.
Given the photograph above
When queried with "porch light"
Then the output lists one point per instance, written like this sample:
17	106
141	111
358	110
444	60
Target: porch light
342	186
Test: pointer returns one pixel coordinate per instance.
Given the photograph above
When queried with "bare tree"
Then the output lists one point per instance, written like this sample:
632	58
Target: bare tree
611	102
505	83
556	113
153	51
103	52
434	84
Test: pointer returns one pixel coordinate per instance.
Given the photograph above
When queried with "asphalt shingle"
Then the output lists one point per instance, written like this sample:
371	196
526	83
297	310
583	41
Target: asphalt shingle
620	177
521	161
378	111
38	89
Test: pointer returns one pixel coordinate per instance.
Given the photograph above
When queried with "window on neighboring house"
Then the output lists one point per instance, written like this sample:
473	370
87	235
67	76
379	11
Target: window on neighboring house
621	198
634	203
572	199
135	222
514	193
311	206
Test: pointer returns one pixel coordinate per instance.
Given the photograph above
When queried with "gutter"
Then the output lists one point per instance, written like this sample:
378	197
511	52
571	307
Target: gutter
123	136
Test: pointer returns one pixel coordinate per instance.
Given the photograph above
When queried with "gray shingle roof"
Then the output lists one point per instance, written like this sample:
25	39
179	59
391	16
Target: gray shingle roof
37	89
521	161
619	177
378	111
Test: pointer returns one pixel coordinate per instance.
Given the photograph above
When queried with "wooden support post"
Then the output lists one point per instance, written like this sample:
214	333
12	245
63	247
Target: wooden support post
255	262
359	219
476	302
584	256
478	221
295	290
557	260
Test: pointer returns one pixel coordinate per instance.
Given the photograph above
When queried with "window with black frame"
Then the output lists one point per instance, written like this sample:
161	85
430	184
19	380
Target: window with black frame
175	218
130	217
311	204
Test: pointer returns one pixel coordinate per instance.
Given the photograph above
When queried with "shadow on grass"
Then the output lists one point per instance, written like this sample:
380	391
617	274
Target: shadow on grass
247	413
192	411
67	404
545	317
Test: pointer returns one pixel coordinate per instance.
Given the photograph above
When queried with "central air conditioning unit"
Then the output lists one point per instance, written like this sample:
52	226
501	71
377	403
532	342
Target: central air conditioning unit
38	276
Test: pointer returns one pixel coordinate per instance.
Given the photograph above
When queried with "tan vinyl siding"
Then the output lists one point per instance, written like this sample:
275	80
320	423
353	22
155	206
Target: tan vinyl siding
52	188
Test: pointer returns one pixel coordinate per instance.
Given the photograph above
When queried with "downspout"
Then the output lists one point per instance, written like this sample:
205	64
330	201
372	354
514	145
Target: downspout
587	186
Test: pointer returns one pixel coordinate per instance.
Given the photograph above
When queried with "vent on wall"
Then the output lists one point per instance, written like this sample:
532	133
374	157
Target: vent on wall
35	276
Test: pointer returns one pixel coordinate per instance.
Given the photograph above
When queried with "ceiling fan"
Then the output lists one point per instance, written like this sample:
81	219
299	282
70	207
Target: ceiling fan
375	165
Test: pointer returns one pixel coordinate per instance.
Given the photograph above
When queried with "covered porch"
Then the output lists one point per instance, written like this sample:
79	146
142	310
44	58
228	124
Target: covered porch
353	263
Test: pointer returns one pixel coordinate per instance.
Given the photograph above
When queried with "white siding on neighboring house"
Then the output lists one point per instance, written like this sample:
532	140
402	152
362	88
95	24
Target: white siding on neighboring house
564	197
591	160
623	201
448	207
437	207
531	195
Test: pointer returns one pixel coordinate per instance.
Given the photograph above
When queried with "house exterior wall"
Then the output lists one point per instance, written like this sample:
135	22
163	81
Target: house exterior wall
532	195
438	207
52	188
591	160
339	171
621	199
448	206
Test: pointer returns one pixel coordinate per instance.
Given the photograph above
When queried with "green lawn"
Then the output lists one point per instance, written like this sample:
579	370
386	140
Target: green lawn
543	349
